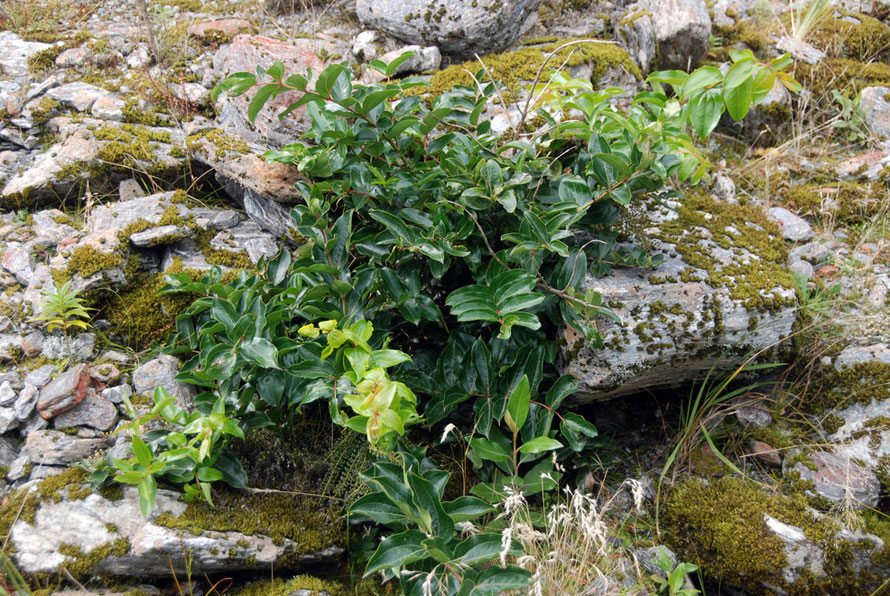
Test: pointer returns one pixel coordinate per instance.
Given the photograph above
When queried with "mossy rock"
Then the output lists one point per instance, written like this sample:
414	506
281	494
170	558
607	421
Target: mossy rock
59	523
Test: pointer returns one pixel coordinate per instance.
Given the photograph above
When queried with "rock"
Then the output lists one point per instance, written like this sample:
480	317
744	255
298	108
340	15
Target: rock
837	478
365	45
636	32
64	392
875	104
7	394
249	237
868	166
424	60
794	228
129	545
224	220
722	287
802	268
682	31
19	262
14	54
105	373
161	372
268	214
239	167
853	355
227	27
108	107
73	57
149	209
117	394
813	252
8	420
94	411
32	344
78	348
800	50
51	227
55	448
456	27
765	453
160	235
724	188
26	402
41	376
79	96
8	452
244	54
20	467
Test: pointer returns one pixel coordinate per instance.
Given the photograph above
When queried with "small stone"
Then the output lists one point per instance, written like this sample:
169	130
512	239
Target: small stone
41	376
55	448
32	344
800	50
73	57
160	235
94	411
64	392
827	271
802	268
814	252
130	189
105	373
7	394
8	420
424	59
766	453
229	27
108	108
161	372
836	477
794	228
117	357
224	220
20	263
117	394
8	452
20	467
26	402
724	189
13	378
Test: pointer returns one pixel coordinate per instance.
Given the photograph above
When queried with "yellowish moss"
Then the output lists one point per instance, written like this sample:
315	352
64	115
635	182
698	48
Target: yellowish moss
312	524
45	110
518	68
864	41
280	587
82	565
87	261
225	144
847	202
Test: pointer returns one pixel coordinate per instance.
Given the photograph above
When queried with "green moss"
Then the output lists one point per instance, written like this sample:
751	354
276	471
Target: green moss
44	59
82	565
219	256
701	219
518	68
87	261
858	384
846	202
313	525
45	110
864	41
280	587
225	145
134	114
843	74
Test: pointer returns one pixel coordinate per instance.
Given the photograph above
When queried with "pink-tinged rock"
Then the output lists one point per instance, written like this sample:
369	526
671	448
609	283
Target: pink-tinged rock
835	477
94	411
244	54
73	57
79	95
766	453
64	392
860	163
108	108
19	262
225	26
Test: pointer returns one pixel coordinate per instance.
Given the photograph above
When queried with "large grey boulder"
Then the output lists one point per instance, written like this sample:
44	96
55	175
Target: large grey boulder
723	290
91	534
682	31
462	27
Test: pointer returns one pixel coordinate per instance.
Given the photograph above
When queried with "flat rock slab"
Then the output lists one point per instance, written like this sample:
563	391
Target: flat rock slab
126	544
723	290
55	448
94	411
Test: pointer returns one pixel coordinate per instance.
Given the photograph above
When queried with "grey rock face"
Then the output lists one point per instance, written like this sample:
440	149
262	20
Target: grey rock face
457	27
55	448
79	96
636	33
794	227
14	54
143	547
682	31
161	372
875	104
838	478
678	317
